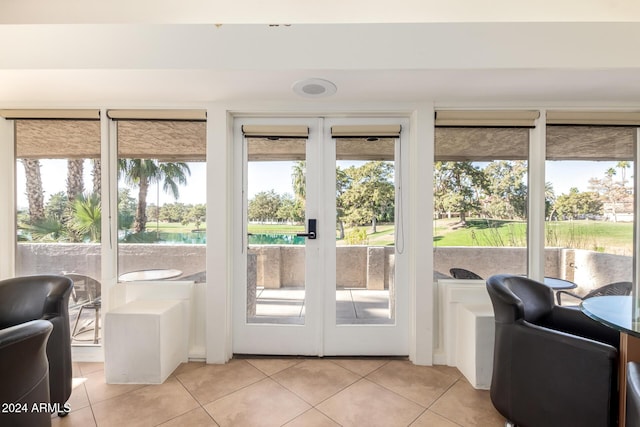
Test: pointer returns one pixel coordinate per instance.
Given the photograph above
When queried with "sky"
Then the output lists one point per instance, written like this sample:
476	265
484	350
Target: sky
266	176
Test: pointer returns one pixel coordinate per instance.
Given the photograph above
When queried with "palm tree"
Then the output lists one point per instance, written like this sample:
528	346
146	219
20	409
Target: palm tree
96	174
298	178
622	165
142	172
87	216
75	179
35	193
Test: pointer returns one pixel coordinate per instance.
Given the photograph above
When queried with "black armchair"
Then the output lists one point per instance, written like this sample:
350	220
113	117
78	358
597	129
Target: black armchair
24	370
552	365
616	288
46	297
86	294
461	273
632	417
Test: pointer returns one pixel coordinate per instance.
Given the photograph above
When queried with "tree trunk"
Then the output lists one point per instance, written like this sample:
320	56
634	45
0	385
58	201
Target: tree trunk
463	217
97	176
35	194
341	230
75	179
140	223
374	223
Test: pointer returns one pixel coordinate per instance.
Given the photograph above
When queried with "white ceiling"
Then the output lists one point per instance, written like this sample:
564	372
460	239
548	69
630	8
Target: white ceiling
148	60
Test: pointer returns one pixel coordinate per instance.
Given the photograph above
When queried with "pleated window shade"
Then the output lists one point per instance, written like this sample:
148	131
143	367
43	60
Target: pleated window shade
486	118
598	143
57	139
477	144
164	140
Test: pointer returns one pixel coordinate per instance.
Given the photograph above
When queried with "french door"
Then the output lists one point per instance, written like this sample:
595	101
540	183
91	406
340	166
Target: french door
319	264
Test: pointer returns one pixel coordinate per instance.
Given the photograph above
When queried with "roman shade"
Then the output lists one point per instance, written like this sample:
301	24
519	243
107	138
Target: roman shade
164	140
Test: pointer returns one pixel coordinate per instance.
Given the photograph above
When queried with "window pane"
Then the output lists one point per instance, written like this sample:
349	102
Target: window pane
480	201
365	230
59	210
589	208
275	203
161	200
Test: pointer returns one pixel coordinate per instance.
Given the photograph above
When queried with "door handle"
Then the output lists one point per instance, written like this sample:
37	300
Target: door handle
311	230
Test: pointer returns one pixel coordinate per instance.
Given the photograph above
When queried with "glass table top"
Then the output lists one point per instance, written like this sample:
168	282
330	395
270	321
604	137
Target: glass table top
614	311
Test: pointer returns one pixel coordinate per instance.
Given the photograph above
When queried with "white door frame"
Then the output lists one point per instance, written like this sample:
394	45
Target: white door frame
319	335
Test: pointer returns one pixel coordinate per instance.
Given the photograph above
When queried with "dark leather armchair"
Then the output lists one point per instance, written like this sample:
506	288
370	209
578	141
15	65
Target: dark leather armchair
617	288
552	365
27	298
461	273
633	395
24	371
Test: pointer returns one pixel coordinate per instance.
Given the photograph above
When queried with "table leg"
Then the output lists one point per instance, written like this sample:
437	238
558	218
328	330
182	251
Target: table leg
629	351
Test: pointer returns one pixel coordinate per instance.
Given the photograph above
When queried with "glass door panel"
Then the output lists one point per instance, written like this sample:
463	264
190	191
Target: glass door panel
365	230
276	191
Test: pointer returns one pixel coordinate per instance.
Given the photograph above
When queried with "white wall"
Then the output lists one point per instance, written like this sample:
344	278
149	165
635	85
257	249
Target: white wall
7	207
295	11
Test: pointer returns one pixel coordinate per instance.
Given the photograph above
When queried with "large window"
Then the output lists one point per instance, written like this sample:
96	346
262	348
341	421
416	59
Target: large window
480	193
590	202
161	199
58	216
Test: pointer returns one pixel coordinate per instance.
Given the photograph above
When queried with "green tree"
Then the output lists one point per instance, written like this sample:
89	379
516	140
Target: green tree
56	206
369	195
611	192
291	209
457	188
549	200
173	212
196	214
87	216
153	212
298	180
576	204
126	209
342	183
264	206
142	173
507	191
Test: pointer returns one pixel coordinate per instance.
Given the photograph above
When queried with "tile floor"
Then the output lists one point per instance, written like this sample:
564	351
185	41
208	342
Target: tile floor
288	392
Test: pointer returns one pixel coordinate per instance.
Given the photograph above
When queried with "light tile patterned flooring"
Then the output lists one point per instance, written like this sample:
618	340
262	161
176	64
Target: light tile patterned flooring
288	392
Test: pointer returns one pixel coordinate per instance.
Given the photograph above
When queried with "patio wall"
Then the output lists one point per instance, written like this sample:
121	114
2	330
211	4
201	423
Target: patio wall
357	266
589	269
40	258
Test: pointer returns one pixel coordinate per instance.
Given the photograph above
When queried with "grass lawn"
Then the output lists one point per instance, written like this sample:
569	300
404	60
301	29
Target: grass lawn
600	236
275	228
172	227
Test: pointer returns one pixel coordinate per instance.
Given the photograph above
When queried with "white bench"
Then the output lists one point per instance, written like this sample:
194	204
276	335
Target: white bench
474	343
145	341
